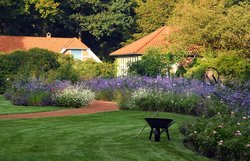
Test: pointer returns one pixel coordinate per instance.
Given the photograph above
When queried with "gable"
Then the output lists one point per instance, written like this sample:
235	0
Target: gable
155	39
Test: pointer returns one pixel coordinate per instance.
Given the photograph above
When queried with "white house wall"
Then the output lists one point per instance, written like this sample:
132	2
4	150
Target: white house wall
123	62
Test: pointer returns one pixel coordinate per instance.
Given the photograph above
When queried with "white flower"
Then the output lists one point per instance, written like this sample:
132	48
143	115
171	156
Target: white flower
238	133
220	142
220	126
214	132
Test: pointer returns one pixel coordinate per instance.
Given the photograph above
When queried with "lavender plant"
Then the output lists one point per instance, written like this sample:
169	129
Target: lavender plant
34	92
236	99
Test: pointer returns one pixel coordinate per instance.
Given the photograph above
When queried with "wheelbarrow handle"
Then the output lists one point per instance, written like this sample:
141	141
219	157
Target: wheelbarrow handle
145	125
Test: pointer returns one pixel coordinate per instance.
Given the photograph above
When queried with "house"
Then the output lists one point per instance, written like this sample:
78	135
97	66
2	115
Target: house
72	46
133	52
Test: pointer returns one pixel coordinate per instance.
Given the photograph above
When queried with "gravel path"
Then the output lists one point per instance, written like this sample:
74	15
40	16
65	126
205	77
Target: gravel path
94	107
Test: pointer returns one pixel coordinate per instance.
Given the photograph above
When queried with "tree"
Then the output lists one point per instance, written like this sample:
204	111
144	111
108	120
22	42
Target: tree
150	15
102	25
211	25
26	17
221	32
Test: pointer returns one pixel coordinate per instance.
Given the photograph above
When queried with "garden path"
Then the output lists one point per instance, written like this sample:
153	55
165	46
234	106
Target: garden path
94	107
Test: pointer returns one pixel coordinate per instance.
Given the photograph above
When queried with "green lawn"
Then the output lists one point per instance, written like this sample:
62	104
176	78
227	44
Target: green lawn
106	136
7	108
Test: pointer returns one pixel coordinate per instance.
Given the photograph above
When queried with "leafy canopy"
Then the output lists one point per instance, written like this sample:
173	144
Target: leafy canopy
212	25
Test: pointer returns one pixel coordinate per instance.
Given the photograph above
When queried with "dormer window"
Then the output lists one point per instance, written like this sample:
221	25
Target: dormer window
77	54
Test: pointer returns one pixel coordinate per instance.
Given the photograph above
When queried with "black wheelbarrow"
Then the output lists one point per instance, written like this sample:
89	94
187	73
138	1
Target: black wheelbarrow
158	126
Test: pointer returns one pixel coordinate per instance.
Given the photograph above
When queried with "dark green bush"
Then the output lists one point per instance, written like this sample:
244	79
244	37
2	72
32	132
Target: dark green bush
153	63
35	64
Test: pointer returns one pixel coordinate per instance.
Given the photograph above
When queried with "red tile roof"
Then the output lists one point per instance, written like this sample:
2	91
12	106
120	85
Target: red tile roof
155	39
11	43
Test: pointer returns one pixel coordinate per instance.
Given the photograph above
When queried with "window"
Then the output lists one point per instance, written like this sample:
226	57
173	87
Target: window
77	54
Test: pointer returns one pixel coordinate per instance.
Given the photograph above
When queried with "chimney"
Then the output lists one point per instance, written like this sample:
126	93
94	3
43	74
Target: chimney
48	34
80	35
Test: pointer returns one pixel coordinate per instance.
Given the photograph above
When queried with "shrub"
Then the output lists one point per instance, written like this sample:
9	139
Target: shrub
224	136
90	69
153	63
73	96
35	64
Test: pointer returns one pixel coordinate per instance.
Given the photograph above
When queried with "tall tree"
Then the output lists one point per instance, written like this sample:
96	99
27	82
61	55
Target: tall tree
103	24
211	24
151	15
26	17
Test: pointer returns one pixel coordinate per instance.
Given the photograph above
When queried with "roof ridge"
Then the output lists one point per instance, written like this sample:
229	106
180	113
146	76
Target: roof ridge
67	44
35	37
152	38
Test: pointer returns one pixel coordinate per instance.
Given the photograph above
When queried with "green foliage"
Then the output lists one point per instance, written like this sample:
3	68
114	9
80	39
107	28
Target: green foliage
65	71
44	8
73	96
102	25
90	69
122	98
210	24
153	63
107	95
230	66
35	64
151	15
146	99
37	98
26	17
224	136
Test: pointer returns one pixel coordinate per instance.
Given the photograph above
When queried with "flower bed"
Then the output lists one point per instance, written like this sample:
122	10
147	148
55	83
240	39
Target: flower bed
224	136
38	93
177	95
